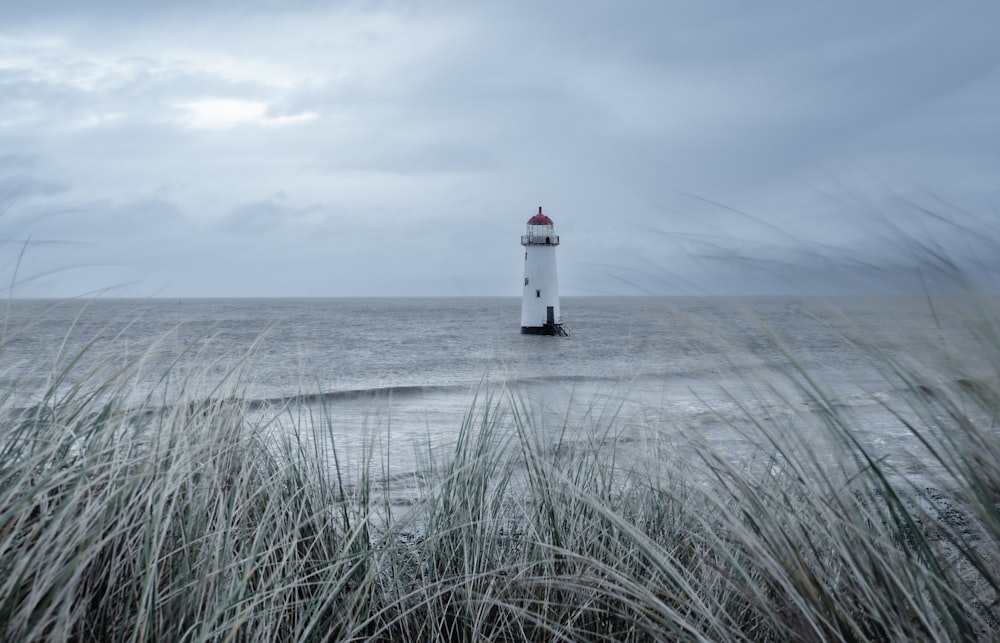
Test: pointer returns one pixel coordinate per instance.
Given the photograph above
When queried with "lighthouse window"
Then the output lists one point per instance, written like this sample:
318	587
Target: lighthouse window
525	256
538	293
525	281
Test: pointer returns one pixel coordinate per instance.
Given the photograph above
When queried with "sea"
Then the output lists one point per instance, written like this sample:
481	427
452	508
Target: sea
392	380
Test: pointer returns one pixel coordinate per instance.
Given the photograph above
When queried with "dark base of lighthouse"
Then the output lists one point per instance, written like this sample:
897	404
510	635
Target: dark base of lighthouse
546	329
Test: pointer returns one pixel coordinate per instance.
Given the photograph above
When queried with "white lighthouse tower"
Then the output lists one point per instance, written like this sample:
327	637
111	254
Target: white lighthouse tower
540	302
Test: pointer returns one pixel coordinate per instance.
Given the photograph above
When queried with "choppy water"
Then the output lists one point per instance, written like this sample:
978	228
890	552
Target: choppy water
407	370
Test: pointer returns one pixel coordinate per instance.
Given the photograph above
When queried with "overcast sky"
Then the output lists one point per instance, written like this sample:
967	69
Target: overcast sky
276	148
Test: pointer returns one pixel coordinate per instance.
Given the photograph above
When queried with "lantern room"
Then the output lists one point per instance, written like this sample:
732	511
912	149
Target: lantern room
540	231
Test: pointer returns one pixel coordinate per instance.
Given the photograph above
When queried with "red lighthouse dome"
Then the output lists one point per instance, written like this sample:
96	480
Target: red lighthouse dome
539	219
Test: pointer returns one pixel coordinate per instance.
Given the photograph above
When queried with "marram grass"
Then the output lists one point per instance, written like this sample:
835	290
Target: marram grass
196	520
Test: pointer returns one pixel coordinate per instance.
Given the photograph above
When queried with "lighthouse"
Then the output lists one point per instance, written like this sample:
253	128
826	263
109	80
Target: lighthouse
540	301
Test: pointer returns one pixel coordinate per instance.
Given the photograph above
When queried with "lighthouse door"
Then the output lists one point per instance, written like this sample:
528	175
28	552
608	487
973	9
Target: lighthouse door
550	314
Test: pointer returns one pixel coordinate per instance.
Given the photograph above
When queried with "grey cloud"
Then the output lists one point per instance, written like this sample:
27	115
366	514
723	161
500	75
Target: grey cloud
29	13
253	218
18	162
135	90
17	188
385	155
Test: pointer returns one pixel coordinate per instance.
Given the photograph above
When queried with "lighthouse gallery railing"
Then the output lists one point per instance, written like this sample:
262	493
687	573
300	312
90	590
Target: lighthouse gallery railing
539	240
